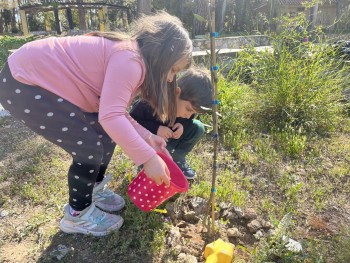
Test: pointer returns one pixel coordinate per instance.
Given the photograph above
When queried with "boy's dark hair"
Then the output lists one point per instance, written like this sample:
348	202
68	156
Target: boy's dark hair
196	87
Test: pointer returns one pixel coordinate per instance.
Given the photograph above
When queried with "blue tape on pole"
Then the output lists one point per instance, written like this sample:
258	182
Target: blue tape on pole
214	34
215	135
213	190
215	102
214	167
214	68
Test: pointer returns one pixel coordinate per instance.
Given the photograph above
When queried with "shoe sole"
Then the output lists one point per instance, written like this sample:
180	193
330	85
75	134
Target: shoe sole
80	230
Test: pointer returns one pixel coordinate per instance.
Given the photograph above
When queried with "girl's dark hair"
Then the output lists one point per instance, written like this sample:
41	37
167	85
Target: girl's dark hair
163	41
196	87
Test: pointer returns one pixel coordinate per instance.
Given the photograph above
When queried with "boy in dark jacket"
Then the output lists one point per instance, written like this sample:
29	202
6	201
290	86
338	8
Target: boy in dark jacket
193	95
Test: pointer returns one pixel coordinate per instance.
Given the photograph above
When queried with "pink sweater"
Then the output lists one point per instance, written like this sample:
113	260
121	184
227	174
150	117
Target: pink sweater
94	73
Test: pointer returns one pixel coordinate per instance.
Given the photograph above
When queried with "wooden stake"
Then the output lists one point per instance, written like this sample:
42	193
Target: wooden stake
213	70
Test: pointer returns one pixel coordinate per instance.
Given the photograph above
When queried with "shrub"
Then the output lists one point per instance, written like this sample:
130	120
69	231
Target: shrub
296	85
7	43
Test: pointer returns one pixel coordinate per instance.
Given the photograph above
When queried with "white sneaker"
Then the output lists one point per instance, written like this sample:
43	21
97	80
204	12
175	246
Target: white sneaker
105	199
90	221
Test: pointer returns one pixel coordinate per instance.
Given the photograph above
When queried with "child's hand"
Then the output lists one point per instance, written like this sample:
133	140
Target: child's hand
178	130
157	170
165	132
158	143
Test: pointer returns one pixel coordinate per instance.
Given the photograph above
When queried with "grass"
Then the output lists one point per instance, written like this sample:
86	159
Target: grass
284	151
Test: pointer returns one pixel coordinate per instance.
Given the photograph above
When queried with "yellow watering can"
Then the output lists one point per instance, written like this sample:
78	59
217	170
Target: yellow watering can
219	252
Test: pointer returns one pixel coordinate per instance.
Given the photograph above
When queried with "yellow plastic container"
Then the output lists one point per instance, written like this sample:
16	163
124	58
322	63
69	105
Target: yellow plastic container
219	252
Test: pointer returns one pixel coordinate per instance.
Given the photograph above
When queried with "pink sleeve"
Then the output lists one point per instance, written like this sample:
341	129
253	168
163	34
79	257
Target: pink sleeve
144	133
123	76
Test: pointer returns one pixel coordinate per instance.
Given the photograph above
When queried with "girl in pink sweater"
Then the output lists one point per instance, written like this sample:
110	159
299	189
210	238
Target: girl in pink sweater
75	91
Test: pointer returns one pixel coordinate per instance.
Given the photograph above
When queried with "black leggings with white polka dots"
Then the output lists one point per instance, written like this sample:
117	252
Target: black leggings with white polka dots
64	124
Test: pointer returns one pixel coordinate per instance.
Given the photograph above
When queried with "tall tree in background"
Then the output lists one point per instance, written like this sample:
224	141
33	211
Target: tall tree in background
313	16
70	18
1	22
220	14
239	14
200	8
57	20
272	14
181	9
338	9
82	17
144	7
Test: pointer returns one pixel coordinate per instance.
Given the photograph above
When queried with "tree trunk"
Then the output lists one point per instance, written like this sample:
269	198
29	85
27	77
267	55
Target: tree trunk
144	7
200	8
57	21
272	14
70	18
129	15
13	21
81	15
125	19
1	22
313	17
220	14
181	9
239	15
7	19
338	6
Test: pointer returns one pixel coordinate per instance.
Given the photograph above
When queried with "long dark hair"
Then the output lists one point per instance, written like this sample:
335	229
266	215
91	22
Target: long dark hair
162	41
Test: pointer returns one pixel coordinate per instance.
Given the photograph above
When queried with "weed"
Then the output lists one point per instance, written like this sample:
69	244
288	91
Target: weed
279	247
7	43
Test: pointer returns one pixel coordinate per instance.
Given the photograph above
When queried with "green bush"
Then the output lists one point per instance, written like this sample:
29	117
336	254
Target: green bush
298	86
7	43
236	111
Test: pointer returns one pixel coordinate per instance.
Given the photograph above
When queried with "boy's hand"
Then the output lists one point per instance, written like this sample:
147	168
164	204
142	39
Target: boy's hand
178	130
165	132
157	170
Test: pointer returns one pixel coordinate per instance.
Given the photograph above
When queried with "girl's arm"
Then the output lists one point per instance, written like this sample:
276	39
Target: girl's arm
124	74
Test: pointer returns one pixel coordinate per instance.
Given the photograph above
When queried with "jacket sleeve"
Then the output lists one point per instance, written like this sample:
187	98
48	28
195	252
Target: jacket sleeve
142	112
185	122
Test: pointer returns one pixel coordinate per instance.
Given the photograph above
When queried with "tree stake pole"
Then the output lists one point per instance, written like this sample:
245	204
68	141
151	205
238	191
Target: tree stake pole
213	69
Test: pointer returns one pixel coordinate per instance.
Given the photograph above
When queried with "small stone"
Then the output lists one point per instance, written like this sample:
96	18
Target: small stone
186	234
267	225
254	226
225	206
233	232
177	249
186	258
60	252
4	213
170	211
198	205
191	217
181	224
231	216
173	236
250	214
239	212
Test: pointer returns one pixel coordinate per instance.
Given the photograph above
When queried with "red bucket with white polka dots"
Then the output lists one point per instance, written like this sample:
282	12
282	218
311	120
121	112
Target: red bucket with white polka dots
146	195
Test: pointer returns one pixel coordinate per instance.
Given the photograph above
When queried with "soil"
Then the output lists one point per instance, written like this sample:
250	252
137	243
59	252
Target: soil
188	233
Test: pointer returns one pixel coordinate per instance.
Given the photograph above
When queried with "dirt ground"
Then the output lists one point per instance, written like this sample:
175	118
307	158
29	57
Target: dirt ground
25	240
